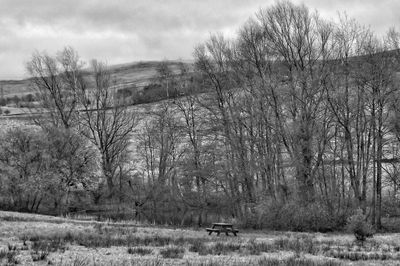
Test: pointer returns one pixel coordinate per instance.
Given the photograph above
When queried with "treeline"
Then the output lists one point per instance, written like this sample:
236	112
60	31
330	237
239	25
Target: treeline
68	154
41	167
299	128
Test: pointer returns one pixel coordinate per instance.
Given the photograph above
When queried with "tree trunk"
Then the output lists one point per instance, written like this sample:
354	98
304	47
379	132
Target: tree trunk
379	170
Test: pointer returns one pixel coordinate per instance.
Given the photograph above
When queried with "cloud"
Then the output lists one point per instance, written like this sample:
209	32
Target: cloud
123	30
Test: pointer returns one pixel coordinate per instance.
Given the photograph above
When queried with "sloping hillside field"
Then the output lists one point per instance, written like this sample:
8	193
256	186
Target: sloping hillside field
128	75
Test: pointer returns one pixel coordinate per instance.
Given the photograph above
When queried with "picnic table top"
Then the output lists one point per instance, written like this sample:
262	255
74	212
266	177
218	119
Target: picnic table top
223	224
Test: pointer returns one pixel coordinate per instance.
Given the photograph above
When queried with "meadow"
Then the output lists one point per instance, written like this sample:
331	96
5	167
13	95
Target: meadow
292	125
28	239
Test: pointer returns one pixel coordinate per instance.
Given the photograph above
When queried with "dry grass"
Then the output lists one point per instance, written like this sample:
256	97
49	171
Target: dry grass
38	240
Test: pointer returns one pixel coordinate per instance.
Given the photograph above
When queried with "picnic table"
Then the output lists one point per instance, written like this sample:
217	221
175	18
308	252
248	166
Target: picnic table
222	227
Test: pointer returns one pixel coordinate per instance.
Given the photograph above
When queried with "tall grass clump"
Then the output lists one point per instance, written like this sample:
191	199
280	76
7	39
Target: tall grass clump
299	244
10	257
172	252
3	254
197	246
139	250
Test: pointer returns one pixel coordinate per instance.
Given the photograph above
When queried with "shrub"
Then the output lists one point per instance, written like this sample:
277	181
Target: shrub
359	226
172	252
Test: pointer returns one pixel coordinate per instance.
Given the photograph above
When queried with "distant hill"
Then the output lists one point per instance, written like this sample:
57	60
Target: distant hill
138	74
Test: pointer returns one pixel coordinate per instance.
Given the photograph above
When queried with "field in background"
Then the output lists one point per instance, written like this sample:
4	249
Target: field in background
135	84
128	75
29	239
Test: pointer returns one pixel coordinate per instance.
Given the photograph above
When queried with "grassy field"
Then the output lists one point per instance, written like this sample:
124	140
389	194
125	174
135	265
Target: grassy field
133	74
28	239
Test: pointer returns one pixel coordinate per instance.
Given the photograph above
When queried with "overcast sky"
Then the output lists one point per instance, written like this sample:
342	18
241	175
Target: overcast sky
122	31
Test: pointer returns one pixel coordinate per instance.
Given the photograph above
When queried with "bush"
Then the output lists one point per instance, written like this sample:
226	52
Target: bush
359	226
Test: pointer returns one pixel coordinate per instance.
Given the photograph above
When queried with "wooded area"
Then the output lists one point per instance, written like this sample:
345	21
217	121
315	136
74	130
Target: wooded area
298	128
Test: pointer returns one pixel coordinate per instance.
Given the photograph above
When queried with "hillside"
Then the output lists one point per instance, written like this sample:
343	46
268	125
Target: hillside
129	75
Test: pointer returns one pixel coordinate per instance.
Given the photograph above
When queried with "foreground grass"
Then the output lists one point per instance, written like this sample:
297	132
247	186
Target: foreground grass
31	239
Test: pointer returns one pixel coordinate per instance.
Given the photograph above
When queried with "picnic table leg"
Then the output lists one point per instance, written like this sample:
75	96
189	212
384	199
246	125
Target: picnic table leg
218	233
209	233
226	232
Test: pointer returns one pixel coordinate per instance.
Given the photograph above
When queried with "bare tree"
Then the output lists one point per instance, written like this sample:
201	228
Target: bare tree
159	149
348	102
105	123
193	125
379	76
57	80
302	43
